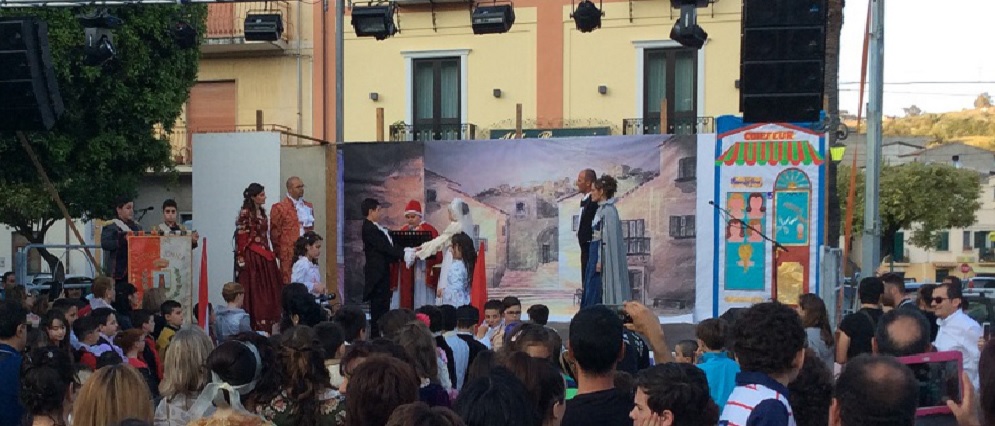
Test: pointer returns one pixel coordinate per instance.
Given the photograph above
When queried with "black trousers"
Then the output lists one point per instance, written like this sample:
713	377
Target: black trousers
585	253
379	305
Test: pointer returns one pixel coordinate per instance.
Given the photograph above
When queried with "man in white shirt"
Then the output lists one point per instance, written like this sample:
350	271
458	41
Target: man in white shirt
958	332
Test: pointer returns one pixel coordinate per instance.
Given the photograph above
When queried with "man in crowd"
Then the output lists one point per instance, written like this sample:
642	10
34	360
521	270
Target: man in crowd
769	343
857	329
874	390
493	326
894	293
114	239
289	220
380	252
170	222
595	347
13	338
9	279
958	332
585	181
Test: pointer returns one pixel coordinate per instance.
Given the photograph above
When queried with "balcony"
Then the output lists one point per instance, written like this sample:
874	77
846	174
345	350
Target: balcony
401	132
180	139
680	126
225	33
986	255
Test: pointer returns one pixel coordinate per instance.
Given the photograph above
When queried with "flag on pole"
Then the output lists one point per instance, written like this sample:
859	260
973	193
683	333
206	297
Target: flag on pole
202	295
478	287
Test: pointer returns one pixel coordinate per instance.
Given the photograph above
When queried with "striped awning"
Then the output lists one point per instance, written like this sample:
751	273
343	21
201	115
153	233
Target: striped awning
770	153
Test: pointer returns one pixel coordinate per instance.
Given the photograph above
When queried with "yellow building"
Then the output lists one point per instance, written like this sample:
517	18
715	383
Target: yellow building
443	81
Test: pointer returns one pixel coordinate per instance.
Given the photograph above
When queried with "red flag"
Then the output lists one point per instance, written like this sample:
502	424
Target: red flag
478	287
202	296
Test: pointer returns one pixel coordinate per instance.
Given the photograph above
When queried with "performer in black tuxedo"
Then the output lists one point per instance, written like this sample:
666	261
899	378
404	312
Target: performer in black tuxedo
380	253
588	207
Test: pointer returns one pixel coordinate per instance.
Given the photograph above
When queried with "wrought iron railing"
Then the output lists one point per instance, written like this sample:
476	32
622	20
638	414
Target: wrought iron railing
180	138
401	132
986	254
227	20
680	126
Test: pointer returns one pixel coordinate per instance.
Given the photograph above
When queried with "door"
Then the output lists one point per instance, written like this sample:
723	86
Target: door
211	108
670	74
437	99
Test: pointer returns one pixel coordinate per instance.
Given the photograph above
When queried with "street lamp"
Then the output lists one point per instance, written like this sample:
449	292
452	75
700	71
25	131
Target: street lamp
837	151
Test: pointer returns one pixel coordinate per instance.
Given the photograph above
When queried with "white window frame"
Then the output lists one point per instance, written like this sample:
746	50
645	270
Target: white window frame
641	47
411	55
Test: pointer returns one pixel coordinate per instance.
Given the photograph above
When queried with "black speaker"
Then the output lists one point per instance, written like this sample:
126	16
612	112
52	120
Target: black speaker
782	64
29	92
263	27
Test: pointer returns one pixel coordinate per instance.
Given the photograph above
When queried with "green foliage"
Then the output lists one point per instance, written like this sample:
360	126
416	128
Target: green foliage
104	142
923	198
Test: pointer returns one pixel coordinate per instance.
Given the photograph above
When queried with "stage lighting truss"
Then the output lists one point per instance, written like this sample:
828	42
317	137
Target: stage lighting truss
586	15
492	17
374	19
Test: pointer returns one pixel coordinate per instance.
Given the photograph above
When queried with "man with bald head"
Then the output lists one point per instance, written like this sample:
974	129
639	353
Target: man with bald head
289	220
901	332
874	389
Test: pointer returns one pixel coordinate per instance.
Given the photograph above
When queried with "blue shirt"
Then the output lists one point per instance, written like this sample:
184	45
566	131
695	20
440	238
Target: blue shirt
11	411
721	372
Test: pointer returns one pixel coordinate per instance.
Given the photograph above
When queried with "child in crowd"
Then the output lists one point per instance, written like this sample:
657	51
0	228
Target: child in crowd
769	342
232	319
133	343
69	308
720	370
107	329
332	340
493	323
172	312
686	352
86	330
144	320
457	289
307	250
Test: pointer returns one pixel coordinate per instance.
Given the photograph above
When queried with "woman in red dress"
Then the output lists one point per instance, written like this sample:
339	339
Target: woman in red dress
257	269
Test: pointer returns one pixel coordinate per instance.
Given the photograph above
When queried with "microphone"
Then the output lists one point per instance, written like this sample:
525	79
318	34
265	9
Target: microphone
711	203
147	209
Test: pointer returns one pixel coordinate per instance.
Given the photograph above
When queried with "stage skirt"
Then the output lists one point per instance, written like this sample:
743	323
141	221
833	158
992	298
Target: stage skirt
263	283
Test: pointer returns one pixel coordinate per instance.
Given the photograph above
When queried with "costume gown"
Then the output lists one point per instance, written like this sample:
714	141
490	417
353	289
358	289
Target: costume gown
259	275
611	285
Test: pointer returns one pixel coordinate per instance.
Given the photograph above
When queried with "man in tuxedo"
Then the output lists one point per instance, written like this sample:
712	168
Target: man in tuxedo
380	253
585	181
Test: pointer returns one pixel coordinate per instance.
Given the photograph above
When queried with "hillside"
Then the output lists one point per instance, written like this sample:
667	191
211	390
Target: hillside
972	126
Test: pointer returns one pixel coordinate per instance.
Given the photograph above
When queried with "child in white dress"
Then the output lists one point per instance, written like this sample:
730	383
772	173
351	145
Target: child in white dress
307	250
457	289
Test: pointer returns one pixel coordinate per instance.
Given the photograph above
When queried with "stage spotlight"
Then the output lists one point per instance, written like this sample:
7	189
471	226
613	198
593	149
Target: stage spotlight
492	19
183	34
98	46
587	16
263	27
686	30
374	21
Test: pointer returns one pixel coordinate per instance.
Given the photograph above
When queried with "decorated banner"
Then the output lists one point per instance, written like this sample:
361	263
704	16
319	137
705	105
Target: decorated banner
768	183
162	262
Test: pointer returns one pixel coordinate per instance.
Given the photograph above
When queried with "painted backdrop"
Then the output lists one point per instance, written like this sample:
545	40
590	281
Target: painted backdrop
525	205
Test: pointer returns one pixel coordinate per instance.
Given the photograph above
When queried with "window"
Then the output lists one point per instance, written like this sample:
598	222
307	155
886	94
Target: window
943	241
504	230
670	74
686	169
682	227
899	247
436	101
967	240
520	210
634	234
430	196
981	239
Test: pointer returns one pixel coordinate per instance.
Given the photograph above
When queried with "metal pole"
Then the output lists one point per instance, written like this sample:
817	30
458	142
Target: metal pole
339	70
872	218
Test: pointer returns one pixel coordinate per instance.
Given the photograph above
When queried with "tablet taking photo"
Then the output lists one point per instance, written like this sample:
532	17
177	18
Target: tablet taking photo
939	377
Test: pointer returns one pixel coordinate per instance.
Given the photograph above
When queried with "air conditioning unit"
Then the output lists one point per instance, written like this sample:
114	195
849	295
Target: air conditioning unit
263	27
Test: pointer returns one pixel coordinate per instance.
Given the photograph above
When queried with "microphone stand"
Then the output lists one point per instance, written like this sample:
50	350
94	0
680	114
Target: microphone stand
746	225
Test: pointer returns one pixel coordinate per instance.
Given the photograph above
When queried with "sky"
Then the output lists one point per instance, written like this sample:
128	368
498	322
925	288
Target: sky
925	41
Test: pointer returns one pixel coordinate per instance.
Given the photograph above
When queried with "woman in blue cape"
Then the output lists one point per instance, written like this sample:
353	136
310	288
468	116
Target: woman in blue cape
607	274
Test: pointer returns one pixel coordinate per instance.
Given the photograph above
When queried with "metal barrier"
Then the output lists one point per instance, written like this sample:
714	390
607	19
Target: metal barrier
21	264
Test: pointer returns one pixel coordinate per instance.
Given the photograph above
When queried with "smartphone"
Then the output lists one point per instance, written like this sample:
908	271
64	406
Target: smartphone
988	328
939	377
620	311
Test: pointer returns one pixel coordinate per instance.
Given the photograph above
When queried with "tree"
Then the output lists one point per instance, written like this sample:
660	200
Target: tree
923	198
984	100
912	111
104	142
834	27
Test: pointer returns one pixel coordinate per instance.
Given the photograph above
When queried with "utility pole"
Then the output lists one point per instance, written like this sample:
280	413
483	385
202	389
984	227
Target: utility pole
872	217
339	70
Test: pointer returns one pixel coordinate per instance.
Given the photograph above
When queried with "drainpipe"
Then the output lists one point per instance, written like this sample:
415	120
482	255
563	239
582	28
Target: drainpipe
300	82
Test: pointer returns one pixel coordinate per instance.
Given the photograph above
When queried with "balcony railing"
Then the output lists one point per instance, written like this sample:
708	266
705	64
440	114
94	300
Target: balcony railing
226	22
447	132
986	255
180	139
681	126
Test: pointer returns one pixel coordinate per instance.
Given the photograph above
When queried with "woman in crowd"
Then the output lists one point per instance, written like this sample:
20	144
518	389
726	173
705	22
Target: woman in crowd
420	414
48	387
674	393
815	319
607	271
457	290
811	392
184	376
545	387
307	397
257	269
378	386
419	345
112	394
236	370
460	220
533	339
307	250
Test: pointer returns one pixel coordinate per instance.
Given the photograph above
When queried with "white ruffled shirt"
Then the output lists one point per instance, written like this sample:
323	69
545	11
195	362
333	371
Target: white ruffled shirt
306	272
305	215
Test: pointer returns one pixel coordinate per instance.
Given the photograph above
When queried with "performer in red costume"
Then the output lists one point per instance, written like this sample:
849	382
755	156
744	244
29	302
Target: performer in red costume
423	276
257	269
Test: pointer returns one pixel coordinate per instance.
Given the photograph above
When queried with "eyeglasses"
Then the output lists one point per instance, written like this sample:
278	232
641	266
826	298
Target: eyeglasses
513	312
939	300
